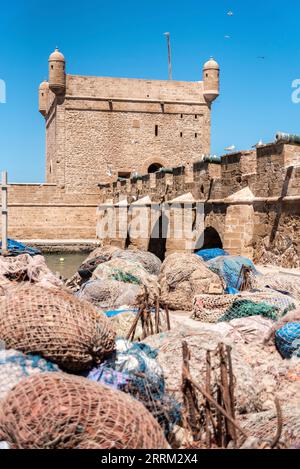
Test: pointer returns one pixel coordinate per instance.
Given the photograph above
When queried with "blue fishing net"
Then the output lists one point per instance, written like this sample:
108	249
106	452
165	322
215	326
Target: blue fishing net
132	368
208	254
27	362
229	269
287	340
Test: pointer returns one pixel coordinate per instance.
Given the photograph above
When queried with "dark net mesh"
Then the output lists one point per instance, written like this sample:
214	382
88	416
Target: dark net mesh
59	411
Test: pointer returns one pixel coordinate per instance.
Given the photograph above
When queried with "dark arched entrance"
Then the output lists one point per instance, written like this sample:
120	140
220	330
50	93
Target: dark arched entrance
158	239
212	239
209	239
154	167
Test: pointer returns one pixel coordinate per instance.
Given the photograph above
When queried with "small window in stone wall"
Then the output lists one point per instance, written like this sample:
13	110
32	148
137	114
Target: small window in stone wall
196	135
136	124
196	116
181	134
181	116
156	130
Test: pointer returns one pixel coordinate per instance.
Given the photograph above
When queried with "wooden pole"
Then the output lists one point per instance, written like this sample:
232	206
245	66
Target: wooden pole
169	56
4	212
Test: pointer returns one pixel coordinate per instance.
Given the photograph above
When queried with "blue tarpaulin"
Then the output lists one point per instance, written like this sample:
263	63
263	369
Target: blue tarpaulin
15	248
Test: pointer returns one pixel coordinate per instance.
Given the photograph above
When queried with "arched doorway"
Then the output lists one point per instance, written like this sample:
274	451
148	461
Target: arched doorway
154	167
209	239
212	239
158	239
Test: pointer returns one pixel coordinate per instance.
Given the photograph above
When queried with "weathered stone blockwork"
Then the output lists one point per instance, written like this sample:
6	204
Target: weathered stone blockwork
251	200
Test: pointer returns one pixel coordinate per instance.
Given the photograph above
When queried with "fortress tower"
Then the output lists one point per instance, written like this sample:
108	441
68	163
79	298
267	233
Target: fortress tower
99	128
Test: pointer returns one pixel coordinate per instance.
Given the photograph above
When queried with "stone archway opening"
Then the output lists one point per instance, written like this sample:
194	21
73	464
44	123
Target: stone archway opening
211	239
154	167
158	238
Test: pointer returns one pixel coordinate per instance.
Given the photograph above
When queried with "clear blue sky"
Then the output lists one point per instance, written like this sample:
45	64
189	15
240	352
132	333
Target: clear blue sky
125	39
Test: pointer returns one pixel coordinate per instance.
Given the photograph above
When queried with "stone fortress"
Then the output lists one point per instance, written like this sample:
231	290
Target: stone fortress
116	139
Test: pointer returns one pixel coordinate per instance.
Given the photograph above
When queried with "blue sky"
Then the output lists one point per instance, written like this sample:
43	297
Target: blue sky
125	39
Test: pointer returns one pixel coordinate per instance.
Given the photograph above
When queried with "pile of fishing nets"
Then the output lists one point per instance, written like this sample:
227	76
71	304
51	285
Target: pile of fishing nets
287	340
287	283
123	320
252	329
269	304
132	368
25	268
55	325
97	256
15	366
72	412
129	272
169	346
182	277
229	268
263	425
149	261
208	254
110	294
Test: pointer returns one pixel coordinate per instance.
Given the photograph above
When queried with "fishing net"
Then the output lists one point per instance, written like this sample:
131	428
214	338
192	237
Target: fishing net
55	325
15	366
182	277
287	340
208	254
72	412
99	255
169	346
229	268
25	268
129	272
149	261
281	282
247	330
263	425
110	294
213	308
132	368
123	321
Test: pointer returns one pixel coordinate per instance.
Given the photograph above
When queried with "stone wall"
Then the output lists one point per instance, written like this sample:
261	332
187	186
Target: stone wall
46	212
109	127
251	200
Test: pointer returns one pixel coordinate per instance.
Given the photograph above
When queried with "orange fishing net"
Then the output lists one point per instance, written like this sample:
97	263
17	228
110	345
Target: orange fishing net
60	411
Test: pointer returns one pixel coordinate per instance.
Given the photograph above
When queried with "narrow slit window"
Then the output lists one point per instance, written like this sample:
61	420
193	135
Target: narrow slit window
181	134
181	115
196	135
156	130
196	116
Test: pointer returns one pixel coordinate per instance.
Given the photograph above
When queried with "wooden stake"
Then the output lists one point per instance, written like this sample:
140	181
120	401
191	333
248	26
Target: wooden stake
189	397
4	212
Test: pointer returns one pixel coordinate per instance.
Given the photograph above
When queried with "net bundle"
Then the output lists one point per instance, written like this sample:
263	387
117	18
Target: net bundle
110	294
287	340
149	261
183	276
25	268
129	272
15	366
230	269
279	281
71	412
55	325
133	369
213	308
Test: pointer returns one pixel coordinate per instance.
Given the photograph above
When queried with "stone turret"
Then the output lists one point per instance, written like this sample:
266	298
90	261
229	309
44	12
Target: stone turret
43	97
211	80
57	72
